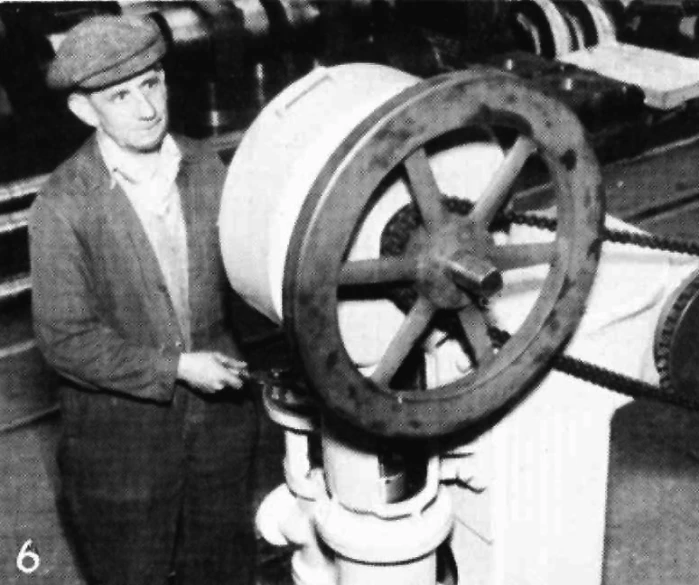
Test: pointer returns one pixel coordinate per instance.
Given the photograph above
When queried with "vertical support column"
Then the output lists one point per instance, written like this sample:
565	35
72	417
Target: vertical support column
286	515
383	529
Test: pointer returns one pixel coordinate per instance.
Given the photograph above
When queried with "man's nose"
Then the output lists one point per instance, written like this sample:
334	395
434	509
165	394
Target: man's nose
145	107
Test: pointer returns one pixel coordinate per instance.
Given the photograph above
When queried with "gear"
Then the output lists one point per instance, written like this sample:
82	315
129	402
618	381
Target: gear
676	344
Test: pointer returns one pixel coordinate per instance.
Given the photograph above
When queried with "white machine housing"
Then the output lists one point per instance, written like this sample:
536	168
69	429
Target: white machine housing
536	513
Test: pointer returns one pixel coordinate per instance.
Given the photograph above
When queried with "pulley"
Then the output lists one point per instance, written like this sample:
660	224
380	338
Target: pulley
467	134
676	346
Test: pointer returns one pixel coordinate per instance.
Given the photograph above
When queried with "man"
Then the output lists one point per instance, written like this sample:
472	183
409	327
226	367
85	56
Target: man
129	309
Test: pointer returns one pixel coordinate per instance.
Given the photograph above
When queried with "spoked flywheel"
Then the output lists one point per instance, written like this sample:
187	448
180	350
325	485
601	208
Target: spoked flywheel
455	262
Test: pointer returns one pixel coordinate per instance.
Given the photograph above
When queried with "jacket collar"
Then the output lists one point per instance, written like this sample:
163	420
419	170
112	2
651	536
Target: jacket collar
94	163
124	165
117	212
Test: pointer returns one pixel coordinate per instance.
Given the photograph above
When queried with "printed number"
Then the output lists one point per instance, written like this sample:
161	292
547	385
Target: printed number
28	560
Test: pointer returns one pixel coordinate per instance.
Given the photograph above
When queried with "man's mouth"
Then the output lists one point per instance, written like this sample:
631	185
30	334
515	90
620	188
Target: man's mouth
152	127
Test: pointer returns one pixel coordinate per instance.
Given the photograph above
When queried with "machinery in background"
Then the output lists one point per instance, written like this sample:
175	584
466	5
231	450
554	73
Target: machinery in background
228	58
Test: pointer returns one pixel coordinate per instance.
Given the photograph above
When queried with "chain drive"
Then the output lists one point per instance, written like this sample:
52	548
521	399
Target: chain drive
407	220
605	378
599	375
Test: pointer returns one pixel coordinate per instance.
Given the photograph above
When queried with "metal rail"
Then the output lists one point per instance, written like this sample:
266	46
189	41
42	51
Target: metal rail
15	286
21	189
13	222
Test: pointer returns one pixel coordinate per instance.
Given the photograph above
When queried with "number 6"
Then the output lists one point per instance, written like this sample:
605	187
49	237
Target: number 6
27	560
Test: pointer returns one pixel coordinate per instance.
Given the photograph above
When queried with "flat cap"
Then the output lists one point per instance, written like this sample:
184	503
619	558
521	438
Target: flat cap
104	50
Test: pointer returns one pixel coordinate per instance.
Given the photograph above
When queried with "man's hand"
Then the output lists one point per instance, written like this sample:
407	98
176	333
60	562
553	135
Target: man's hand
210	371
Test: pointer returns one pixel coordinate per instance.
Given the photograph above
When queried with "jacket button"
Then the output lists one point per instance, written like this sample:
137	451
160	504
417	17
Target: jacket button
179	345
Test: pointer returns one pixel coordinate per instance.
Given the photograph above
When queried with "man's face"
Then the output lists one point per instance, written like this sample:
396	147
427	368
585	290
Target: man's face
132	113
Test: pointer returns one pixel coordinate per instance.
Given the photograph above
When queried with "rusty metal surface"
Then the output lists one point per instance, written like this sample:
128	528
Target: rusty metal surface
389	138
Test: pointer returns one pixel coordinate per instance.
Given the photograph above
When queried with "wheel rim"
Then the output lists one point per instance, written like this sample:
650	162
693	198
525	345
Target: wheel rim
396	136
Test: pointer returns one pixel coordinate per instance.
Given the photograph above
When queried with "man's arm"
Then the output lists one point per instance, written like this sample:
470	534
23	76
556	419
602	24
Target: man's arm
70	333
81	347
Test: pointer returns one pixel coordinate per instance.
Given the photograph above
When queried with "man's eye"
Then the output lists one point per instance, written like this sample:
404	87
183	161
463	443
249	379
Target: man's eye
120	96
152	83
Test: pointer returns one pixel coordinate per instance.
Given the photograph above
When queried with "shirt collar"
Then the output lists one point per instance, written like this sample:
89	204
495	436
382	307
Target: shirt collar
130	168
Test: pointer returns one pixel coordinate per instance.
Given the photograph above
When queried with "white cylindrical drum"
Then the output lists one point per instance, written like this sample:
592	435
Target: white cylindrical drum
278	161
280	156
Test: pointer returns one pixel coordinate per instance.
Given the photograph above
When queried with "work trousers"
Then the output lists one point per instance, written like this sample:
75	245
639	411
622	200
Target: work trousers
148	490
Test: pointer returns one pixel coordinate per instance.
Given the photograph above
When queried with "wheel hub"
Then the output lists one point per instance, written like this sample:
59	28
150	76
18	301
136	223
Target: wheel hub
453	264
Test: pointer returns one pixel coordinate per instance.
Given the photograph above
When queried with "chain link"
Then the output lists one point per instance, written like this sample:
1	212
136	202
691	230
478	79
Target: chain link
641	240
529	219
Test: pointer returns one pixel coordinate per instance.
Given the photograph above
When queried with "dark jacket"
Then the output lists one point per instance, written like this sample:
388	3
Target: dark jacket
140	454
102	314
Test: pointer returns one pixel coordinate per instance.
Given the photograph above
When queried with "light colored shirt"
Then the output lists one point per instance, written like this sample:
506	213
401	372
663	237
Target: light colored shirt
152	190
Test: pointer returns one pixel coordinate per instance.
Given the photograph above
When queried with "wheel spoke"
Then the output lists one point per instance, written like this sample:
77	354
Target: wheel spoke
476	331
511	256
378	270
403	341
424	189
498	190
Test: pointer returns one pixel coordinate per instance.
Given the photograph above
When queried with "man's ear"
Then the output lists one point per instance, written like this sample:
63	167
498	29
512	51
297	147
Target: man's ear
80	105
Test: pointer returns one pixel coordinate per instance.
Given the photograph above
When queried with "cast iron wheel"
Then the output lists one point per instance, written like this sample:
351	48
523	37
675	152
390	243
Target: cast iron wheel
456	260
